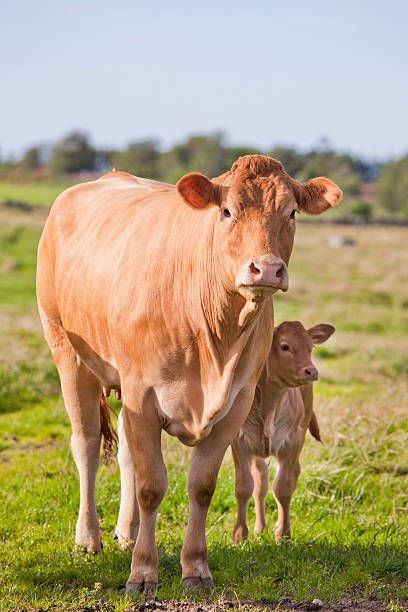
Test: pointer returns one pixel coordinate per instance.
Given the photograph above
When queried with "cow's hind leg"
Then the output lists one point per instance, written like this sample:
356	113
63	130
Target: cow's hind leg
81	391
128	519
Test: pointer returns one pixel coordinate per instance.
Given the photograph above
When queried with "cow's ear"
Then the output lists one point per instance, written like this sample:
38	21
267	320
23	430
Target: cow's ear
198	191
320	333
317	195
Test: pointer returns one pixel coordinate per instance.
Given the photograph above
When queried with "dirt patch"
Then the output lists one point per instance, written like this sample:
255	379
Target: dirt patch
346	605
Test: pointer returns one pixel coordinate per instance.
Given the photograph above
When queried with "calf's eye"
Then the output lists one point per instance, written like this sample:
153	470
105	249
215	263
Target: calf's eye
284	346
226	212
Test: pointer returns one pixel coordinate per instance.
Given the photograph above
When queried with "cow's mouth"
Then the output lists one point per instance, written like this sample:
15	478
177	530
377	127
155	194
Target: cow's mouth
257	293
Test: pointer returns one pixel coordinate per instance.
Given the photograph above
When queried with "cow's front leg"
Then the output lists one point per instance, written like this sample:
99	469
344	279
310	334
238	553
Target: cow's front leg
205	463
143	432
128	519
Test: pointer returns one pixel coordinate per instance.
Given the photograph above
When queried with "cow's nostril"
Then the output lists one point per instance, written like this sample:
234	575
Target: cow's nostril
308	372
254	269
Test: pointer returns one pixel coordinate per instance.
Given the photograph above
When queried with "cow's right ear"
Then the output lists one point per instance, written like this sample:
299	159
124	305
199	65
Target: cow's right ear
198	191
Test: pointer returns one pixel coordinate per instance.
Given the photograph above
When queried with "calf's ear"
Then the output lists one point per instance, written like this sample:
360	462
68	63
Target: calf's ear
320	333
317	195
198	191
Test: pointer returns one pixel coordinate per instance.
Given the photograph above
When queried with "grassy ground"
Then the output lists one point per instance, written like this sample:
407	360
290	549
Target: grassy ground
350	523
37	193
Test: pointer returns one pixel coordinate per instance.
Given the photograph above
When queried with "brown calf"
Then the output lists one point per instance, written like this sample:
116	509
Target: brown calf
281	413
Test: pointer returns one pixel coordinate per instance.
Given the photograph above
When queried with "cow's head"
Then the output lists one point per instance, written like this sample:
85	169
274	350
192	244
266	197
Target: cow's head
291	352
257	203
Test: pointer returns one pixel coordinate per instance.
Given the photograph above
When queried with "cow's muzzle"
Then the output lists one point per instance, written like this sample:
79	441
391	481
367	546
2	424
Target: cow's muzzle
262	276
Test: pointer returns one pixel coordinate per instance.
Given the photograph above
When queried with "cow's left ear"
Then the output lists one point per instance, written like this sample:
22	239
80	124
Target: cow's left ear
317	195
198	191
320	333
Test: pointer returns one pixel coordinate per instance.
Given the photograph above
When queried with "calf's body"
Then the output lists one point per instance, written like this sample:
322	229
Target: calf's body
280	416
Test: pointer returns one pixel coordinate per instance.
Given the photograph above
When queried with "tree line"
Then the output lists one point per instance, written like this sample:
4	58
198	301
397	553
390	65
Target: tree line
370	188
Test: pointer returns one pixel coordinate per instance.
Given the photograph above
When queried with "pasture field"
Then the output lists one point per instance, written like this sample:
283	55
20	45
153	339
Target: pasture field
35	193
349	513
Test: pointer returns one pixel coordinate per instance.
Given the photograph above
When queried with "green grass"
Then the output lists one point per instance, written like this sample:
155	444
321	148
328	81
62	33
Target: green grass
349	512
36	193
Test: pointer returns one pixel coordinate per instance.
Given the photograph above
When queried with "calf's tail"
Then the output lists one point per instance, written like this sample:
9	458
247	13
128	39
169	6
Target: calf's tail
109	435
314	427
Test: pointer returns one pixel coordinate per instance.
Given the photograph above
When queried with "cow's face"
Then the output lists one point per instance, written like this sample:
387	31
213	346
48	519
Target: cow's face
292	347
255	228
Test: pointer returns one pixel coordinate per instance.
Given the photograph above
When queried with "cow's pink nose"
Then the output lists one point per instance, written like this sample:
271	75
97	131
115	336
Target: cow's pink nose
268	271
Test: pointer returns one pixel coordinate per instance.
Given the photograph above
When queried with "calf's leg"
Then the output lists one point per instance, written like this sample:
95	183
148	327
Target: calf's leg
259	471
283	487
128	520
81	391
244	485
143	433
205	463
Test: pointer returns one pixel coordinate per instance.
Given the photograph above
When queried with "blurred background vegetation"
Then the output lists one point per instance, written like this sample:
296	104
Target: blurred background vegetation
373	191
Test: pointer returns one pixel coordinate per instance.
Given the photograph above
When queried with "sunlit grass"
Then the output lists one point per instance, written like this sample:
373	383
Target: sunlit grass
36	193
350	523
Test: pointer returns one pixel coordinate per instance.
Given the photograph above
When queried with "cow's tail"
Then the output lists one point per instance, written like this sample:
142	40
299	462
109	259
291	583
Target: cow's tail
109	435
314	427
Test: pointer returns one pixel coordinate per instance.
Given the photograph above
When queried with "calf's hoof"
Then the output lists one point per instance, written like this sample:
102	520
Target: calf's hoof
240	533
124	542
196	583
146	587
88	548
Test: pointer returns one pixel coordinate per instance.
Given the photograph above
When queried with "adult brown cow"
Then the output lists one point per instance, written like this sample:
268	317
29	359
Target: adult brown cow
161	291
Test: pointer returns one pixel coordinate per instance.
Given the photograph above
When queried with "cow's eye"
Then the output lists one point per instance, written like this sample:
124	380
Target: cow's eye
226	212
292	214
284	346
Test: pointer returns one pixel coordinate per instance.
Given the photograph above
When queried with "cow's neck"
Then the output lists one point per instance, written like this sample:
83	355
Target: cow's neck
226	316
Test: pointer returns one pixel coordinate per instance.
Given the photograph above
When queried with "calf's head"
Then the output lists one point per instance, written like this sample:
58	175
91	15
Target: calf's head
291	352
255	227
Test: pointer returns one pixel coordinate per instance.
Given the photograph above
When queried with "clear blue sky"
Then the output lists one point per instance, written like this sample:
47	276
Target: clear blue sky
265	72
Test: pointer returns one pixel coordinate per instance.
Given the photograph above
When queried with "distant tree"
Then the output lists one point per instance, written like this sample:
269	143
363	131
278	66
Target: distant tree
231	154
290	158
199	153
392	187
361	210
341	168
31	159
140	158
72	154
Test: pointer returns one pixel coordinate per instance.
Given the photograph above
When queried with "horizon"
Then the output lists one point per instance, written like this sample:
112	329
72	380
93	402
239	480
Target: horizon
91	66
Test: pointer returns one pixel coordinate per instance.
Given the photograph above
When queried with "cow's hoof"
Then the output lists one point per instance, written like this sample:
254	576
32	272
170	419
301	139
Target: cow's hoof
196	583
147	588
